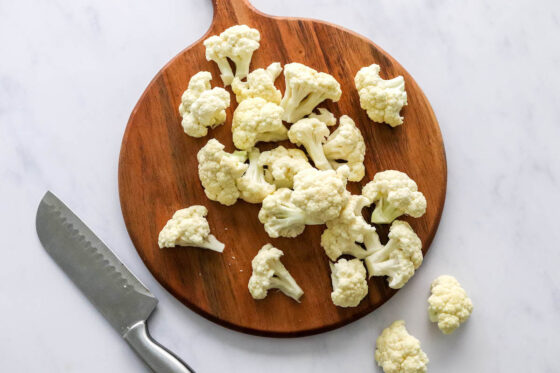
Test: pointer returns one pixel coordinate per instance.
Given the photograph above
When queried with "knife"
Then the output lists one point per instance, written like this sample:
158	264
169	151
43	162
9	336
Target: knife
124	301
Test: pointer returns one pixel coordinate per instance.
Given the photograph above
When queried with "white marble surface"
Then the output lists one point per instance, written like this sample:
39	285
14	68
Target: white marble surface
71	71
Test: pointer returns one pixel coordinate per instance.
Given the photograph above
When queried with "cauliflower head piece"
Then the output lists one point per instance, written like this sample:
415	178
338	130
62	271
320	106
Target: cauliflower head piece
382	99
270	273
281	165
260	83
399	258
346	143
236	43
349	282
324	116
394	194
346	234
218	171
449	304
189	227
311	133
321	194
252	185
305	89
396	351
280	216
202	107
256	119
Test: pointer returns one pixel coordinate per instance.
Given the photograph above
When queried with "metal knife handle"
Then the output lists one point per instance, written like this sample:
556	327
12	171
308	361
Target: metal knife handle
155	355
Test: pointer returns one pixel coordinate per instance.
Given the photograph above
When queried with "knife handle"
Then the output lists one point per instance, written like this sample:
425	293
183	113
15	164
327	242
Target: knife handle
155	355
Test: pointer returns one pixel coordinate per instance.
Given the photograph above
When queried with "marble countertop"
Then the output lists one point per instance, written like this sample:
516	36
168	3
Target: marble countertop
70	73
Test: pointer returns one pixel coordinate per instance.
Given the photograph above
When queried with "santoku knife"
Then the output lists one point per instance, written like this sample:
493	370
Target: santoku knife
124	301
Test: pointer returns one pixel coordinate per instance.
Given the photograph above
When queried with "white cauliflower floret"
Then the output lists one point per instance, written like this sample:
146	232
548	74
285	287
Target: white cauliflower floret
396	351
256	120
260	83
270	273
382	99
252	185
236	43
218	171
399	258
394	194
449	304
346	143
349	282
281	165
305	89
346	234
311	133
321	194
281	218
324	116
202	106
189	227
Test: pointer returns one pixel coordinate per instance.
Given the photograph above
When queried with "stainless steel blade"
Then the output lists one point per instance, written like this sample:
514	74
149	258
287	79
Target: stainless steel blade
92	266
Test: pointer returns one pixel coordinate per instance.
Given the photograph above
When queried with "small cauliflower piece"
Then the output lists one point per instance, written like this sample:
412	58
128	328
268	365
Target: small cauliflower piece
382	99
394	194
399	258
252	185
189	227
449	304
324	116
321	194
281	218
270	273
346	143
396	351
281	165
236	43
260	83
202	106
349	282
256	120
346	233
305	89
218	171
311	133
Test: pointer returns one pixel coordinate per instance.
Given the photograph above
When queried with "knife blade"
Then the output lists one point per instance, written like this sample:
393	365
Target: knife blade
116	293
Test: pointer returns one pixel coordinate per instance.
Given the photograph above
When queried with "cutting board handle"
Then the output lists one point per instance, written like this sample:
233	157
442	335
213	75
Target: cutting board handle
224	9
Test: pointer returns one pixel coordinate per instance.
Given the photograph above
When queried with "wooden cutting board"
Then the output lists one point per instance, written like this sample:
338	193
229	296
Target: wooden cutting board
158	175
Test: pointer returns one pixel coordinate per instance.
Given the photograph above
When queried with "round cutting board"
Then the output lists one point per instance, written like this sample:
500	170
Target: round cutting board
158	175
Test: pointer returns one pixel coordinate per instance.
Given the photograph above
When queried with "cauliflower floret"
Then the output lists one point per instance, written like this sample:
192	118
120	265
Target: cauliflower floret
399	258
394	194
344	234
260	83
252	185
397	351
382	99
256	120
321	194
218	171
305	89
270	273
236	43
449	304
189	227
324	116
281	218
347	143
349	282
202	106
311	133
282	165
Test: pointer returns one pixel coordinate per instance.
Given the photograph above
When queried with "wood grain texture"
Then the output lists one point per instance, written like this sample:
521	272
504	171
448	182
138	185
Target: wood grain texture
158	175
